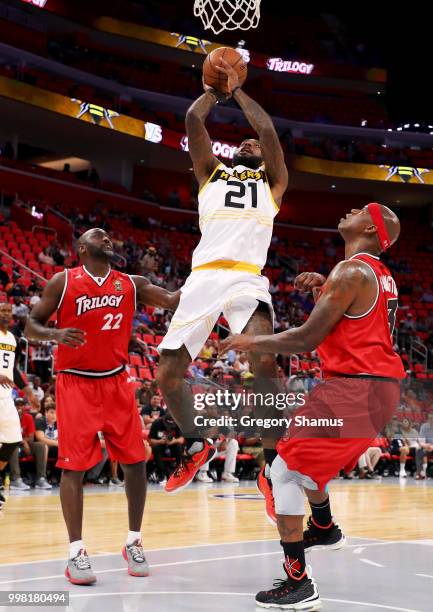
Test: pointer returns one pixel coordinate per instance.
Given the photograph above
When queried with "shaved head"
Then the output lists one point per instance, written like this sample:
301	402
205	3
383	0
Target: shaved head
392	223
359	228
95	244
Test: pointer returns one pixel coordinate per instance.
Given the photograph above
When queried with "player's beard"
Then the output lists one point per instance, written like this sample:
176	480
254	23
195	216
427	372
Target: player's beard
250	161
99	253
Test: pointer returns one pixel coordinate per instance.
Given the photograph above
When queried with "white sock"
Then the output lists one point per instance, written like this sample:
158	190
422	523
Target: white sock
132	537
75	547
196	447
402	466
423	471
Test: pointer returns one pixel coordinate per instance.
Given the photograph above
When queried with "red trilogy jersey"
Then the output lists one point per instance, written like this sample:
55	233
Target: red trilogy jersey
103	308
363	344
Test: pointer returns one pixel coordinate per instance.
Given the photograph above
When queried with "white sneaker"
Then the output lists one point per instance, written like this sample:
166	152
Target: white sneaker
42	483
228	477
402	475
163	482
203	477
19	485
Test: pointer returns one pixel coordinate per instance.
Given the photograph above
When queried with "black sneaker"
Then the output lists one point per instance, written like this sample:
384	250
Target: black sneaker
2	501
292	595
331	539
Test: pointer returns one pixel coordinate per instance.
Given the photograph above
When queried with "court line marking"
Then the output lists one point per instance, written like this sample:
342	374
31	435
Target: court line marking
358	550
343	601
374	543
123	568
424	575
193	546
371	563
106	554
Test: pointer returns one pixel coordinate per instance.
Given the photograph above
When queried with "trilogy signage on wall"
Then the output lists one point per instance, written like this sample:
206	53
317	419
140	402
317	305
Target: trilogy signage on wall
279	65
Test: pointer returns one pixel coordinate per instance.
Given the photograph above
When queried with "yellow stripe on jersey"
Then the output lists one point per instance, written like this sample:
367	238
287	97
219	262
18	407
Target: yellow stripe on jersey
209	179
228	264
7	347
227	214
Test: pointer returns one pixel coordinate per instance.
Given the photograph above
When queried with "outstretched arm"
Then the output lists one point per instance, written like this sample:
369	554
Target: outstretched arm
261	122
199	143
152	295
344	285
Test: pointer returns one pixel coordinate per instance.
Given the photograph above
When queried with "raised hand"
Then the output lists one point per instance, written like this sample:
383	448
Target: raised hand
307	281
232	75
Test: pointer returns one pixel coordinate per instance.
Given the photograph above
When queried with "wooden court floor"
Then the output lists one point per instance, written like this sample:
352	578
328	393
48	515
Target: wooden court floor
32	528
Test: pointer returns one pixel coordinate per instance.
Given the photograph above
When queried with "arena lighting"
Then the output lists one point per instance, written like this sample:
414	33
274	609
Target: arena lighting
277	64
39	3
416	127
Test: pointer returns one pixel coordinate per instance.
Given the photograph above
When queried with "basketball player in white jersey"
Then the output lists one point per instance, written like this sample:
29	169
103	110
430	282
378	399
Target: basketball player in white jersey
237	206
10	427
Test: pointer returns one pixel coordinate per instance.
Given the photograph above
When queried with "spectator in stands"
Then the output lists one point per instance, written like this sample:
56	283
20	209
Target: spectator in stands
166	441
208	351
45	258
35	297
46	431
173	199
425	447
228	445
427	296
141	323
94	474
152	411
19	308
41	356
312	379
144	393
4	276
404	442
296	383
368	461
251	443
137	346
197	369
66	167
35	386
29	447
242	366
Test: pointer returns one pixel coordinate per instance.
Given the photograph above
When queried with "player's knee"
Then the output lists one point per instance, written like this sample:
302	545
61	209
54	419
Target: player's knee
7	449
169	379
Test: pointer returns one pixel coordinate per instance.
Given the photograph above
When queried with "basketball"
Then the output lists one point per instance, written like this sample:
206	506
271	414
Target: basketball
216	79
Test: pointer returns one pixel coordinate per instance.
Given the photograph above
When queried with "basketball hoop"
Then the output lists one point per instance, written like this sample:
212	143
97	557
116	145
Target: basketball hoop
219	15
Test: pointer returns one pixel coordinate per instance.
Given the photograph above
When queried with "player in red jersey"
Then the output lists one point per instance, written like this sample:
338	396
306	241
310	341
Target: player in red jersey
95	307
351	327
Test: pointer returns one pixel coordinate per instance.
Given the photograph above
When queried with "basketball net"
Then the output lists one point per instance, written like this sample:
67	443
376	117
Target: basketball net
219	15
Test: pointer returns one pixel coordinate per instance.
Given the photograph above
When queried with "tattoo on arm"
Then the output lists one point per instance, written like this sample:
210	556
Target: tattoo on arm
344	284
272	152
199	142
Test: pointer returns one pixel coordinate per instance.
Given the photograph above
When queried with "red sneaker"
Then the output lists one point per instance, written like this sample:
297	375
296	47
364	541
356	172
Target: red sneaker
264	485
188	468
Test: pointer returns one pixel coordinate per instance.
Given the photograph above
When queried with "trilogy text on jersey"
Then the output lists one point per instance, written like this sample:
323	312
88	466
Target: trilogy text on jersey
85	303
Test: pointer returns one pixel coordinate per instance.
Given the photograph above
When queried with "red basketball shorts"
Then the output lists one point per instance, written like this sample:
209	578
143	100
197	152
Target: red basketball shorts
339	421
86	406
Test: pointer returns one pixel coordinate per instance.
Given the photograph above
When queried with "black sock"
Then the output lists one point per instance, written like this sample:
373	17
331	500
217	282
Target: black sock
294	563
270	454
321	514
